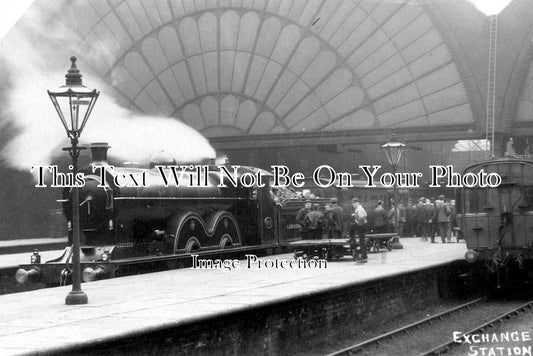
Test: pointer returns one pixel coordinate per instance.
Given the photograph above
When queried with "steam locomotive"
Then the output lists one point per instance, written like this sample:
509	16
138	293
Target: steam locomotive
497	223
127	228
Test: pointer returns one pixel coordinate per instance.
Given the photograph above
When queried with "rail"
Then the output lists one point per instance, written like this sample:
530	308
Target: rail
376	340
445	347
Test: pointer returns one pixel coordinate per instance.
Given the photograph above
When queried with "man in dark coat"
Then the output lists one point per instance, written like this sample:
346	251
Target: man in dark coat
334	216
431	212
453	220
379	216
421	219
316	221
396	214
301	219
410	219
442	214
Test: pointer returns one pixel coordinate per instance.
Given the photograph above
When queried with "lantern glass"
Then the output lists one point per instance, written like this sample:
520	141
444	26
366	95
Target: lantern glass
393	151
74	106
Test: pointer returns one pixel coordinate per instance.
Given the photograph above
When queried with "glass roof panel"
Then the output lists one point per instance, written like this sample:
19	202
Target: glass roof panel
313	65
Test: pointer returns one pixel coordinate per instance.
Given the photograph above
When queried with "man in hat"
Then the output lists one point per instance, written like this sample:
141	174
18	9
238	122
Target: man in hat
301	219
442	215
410	219
380	218
315	221
431	212
453	221
358	226
421	221
334	216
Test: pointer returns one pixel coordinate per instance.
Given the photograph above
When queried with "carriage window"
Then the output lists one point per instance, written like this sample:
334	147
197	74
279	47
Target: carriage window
528	198
475	200
493	200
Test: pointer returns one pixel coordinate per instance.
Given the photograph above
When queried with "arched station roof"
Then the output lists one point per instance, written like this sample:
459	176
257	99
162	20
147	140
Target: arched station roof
279	68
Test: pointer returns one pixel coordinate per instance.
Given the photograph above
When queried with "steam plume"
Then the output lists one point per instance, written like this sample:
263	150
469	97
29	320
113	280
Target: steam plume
35	57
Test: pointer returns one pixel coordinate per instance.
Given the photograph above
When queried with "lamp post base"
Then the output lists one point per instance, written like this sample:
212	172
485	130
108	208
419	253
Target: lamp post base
76	298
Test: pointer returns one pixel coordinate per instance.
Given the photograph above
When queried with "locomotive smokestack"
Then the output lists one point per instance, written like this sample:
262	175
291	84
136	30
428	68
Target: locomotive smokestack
99	153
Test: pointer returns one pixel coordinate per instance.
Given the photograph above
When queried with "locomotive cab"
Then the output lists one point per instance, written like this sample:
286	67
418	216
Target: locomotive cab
96	211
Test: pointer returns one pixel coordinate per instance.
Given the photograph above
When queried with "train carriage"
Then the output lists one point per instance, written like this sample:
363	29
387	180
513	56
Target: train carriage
497	222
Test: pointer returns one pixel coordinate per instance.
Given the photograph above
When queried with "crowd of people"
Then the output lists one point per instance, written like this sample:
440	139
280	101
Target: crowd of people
313	222
425	219
428	219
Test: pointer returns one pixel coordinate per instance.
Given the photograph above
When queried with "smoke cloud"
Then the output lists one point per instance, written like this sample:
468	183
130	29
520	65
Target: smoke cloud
35	57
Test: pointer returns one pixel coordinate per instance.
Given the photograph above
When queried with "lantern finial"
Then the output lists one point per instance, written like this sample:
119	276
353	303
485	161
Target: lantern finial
73	76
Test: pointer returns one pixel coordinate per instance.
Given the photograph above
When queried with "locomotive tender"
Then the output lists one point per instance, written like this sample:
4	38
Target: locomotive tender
497	223
123	226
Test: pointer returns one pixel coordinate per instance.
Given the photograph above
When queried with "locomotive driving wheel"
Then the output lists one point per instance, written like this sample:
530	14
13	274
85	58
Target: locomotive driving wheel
225	230
226	242
193	245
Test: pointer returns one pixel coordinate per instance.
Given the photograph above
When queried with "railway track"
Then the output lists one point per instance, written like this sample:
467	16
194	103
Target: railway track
378	345
446	346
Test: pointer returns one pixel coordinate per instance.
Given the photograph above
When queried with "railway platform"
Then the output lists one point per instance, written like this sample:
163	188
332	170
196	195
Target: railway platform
27	245
131	310
16	259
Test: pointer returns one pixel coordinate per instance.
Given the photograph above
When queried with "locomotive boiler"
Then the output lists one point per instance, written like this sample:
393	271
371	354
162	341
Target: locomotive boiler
125	226
497	222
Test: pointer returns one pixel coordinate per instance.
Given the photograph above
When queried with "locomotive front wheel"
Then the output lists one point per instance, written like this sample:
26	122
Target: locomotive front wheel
116	273
389	245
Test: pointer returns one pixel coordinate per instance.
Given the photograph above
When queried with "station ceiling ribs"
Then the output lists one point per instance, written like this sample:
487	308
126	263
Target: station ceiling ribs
233	69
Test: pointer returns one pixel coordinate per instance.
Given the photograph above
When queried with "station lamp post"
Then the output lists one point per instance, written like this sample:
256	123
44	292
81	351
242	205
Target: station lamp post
394	151
74	103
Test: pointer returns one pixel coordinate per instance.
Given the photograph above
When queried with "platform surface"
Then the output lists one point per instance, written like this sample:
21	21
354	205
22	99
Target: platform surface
40	322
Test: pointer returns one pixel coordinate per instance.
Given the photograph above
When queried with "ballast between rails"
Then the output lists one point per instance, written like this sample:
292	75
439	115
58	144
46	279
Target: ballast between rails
368	343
